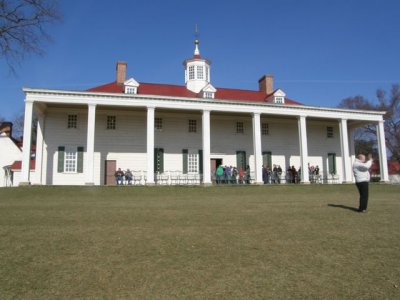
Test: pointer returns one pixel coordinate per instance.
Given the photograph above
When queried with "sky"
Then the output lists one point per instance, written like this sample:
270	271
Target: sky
319	51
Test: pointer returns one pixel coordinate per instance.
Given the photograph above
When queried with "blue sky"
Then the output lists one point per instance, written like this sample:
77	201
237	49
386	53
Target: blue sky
319	52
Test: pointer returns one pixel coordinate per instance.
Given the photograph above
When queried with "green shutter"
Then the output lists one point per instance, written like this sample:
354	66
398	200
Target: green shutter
61	154
201	161
241	160
332	163
267	158
80	160
159	160
185	161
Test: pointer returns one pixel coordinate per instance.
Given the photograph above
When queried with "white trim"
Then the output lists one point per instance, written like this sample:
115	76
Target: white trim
90	144
344	145
184	103
258	159
380	129
150	144
206	140
26	147
303	145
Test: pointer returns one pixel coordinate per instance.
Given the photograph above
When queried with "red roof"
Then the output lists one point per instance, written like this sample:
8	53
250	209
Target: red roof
182	91
16	166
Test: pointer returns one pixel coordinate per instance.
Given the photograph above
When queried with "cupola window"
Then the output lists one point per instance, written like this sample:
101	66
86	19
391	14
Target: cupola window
200	73
191	72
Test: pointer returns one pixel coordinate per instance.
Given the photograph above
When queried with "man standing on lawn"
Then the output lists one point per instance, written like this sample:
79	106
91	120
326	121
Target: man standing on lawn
361	173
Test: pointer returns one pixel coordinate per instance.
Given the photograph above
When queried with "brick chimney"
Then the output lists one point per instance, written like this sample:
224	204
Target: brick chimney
121	72
266	84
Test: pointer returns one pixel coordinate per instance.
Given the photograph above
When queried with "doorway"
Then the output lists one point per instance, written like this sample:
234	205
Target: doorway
110	168
215	162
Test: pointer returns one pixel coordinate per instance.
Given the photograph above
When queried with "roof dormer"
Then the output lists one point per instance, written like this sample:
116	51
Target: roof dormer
208	92
278	96
131	86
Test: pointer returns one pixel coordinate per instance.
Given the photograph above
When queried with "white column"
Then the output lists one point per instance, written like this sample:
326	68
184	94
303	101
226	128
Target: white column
303	149
90	144
206	147
150	145
352	150
39	150
258	160
344	145
380	129
26	148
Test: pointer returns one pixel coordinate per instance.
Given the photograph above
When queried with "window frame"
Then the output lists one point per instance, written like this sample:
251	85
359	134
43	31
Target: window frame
158	124
329	132
70	160
72	121
191	71
239	127
192	126
264	128
111	123
192	162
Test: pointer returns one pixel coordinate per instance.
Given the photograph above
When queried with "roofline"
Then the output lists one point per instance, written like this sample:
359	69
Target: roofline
28	90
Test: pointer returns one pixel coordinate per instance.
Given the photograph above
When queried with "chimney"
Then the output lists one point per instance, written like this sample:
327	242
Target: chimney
121	72
266	84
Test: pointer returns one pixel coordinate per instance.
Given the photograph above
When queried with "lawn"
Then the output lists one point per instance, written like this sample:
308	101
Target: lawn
223	242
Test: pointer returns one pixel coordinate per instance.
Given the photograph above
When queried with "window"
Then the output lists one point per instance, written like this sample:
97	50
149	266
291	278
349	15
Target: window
207	78
158	123
193	162
264	129
72	121
191	72
130	90
192	126
111	121
329	132
279	100
70	161
200	74
208	95
239	127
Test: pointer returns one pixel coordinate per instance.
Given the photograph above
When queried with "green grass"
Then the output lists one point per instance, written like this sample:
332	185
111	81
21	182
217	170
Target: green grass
239	242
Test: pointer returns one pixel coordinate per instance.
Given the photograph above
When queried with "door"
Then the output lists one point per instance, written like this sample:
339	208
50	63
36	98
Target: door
110	168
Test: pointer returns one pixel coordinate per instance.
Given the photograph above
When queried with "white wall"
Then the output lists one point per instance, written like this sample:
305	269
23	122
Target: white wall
127	143
9	152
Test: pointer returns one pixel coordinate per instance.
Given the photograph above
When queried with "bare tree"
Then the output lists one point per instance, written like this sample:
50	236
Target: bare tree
389	104
22	27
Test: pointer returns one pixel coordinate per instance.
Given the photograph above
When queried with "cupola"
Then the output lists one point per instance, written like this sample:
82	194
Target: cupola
197	71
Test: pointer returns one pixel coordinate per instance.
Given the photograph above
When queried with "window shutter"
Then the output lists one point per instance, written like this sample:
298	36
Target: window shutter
267	158
159	160
185	161
61	154
241	160
80	160
201	161
332	163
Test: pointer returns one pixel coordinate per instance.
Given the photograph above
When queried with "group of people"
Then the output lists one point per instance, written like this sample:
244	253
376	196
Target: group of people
271	176
229	174
121	175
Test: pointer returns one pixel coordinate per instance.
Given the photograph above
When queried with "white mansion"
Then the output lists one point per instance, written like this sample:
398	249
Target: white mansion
168	133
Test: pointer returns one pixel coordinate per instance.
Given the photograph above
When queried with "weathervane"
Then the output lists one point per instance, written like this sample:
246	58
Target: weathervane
196	41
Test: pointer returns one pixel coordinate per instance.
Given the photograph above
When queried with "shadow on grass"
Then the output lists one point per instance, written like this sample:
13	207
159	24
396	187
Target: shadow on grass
344	207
